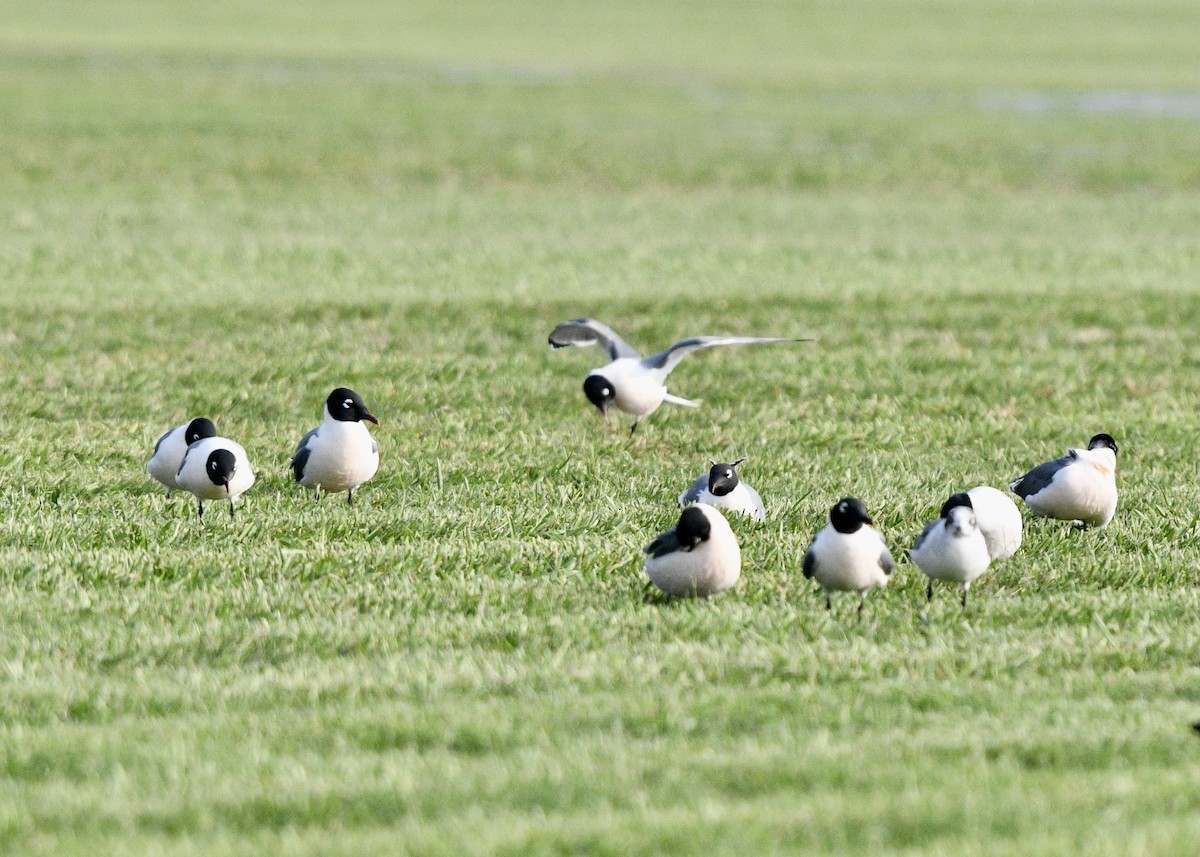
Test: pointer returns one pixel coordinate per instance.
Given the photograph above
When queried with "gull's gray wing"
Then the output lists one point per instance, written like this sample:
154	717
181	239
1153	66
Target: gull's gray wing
300	458
810	557
886	562
587	331
924	534
158	443
669	359
664	544
692	495
1041	476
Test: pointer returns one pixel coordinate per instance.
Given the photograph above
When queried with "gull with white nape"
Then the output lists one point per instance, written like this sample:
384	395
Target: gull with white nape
952	548
849	554
172	446
339	454
1081	486
723	488
215	468
698	557
630	382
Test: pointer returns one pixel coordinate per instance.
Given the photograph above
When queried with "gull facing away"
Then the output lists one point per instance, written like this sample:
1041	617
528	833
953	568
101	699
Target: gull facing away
215	468
339	454
721	487
849	554
698	557
172	446
952	547
636	384
1080	486
999	519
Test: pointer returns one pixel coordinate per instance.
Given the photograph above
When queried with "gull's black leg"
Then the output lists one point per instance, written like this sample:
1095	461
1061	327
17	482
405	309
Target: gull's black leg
350	496
828	603
929	591
231	510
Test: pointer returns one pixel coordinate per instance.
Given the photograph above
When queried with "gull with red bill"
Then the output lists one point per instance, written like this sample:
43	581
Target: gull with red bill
339	454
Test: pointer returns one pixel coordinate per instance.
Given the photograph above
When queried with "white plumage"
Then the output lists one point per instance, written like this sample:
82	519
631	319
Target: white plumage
340	454
999	519
849	554
699	557
1080	486
952	548
171	447
215	468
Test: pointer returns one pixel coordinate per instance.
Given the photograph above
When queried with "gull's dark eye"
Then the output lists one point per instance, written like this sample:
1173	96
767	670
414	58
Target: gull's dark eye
348	403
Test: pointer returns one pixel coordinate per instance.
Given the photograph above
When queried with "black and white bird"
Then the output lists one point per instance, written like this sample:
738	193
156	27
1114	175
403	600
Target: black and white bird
632	383
1080	486
215	468
999	519
698	557
170	449
952	547
339	454
849	554
723	488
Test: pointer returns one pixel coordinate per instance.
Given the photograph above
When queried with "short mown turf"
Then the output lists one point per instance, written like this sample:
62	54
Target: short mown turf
986	212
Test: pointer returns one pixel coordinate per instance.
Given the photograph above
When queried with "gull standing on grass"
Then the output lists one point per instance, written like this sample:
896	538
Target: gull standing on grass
172	446
636	384
1080	486
849	555
721	487
215	468
339	454
952	547
698	557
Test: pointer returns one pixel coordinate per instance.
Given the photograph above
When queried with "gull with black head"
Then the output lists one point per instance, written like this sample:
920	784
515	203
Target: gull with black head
172	446
953	547
630	382
1080	486
723	488
698	557
339	454
849	554
215	468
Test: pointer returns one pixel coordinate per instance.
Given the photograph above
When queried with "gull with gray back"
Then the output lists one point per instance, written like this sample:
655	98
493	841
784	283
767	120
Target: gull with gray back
1081	486
630	382
172	446
698	557
952	547
849	554
723	488
339	454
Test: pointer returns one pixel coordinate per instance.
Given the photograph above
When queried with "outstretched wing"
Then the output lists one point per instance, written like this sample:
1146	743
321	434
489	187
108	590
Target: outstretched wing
669	359
587	331
1041	476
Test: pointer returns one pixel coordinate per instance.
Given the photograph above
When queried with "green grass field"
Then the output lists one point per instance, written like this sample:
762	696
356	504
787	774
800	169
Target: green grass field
988	212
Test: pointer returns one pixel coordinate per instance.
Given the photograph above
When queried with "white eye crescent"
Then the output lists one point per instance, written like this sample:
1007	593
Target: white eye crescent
348	403
728	474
